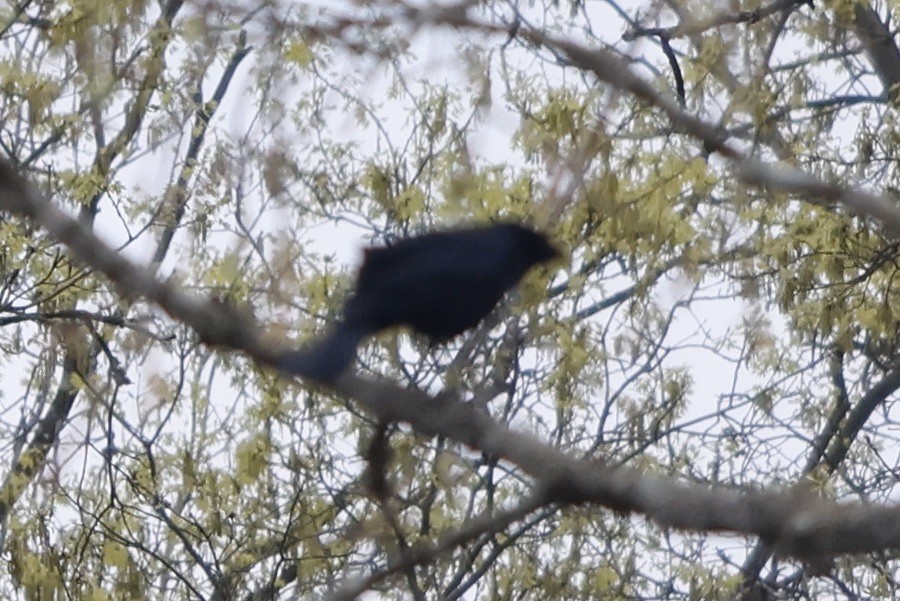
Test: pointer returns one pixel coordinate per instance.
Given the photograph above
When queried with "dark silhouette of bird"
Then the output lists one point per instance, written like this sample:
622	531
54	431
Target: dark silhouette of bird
439	284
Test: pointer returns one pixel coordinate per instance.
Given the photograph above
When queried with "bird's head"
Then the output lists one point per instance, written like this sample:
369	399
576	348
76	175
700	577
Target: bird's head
534	246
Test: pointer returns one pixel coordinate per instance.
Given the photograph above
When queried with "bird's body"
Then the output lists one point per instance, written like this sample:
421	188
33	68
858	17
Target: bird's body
439	284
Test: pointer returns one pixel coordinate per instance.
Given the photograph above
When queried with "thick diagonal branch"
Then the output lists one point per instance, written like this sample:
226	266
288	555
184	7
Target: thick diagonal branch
794	522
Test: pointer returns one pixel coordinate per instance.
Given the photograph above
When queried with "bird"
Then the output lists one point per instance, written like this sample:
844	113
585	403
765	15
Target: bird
439	284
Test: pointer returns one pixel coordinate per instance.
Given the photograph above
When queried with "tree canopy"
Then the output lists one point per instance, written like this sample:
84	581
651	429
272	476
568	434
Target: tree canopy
700	404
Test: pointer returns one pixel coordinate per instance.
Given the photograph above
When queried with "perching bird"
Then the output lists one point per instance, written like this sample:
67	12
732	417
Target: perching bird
439	284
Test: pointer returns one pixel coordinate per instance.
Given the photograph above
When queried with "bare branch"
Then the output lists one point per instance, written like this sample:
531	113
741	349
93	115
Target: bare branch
425	553
176	197
617	72
879	43
715	21
215	323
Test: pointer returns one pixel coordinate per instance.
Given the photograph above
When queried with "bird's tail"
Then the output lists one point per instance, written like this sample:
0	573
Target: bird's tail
326	357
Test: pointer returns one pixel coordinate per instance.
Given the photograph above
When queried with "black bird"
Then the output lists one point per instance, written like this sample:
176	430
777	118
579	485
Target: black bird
439	284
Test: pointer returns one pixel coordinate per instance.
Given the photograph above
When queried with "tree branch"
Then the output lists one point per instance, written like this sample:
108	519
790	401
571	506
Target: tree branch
610	68
794	522
176	197
879	44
